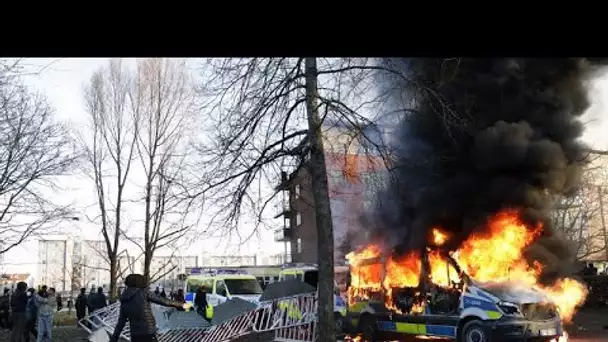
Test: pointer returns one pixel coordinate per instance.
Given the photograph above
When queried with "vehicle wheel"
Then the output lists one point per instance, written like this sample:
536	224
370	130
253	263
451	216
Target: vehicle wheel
369	329
474	331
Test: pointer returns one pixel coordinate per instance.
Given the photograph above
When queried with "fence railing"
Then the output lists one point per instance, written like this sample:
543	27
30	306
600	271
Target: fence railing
291	318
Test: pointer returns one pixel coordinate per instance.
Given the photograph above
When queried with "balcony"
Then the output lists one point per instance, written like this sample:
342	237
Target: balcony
282	209
282	235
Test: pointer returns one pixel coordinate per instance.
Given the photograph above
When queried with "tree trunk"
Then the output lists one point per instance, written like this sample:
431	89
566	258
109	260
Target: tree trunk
113	293
325	238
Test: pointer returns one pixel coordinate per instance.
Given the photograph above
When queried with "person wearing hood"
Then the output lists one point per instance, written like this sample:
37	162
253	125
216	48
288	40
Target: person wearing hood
135	308
47	305
18	305
81	304
31	315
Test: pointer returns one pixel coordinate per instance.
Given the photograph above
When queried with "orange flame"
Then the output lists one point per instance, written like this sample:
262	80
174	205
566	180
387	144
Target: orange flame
439	237
496	256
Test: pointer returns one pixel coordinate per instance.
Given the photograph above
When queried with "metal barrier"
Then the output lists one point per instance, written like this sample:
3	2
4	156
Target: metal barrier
286	312
301	333
290	318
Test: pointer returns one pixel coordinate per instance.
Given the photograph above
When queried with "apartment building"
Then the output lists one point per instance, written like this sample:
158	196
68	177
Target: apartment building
356	171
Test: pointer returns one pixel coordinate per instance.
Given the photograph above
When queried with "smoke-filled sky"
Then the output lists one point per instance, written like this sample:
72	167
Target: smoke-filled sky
487	135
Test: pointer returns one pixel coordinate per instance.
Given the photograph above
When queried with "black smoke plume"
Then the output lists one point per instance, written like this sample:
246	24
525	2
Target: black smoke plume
486	135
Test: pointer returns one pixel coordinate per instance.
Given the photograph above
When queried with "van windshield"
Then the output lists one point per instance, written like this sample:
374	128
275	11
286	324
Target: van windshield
243	286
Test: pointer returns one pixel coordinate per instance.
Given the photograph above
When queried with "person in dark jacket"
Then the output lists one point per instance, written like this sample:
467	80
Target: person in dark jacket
91	300
200	302
31	315
163	294
81	304
18	305
179	296
99	300
5	308
59	302
135	308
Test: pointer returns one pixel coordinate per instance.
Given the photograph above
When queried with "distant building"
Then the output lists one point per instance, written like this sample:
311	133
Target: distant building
55	260
10	280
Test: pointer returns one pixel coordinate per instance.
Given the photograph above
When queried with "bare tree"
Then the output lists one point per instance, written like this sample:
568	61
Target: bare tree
34	151
271	114
162	107
109	149
581	218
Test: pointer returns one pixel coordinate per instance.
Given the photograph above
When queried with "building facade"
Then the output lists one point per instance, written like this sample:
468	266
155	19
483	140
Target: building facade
355	173
55	260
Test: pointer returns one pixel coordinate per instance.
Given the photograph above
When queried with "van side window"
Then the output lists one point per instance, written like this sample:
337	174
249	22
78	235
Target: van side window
220	288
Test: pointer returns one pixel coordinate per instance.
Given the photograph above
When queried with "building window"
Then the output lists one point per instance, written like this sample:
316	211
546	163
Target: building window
287	223
299	245
298	219
297	191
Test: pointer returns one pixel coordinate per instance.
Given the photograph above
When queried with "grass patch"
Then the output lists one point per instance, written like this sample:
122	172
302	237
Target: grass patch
64	318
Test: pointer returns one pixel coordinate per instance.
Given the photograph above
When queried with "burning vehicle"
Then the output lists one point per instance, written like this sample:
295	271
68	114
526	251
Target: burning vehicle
483	291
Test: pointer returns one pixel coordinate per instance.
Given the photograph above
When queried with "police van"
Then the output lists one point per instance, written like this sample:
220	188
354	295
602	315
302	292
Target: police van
466	311
221	285
309	273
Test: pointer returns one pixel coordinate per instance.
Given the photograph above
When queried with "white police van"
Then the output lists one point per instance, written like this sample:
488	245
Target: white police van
221	285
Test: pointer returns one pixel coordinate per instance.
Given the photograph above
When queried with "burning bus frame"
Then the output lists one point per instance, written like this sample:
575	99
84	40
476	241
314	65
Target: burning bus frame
466	310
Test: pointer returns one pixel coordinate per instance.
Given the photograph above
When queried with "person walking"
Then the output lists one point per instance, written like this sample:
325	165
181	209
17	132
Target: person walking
81	304
31	316
18	305
5	308
46	303
135	308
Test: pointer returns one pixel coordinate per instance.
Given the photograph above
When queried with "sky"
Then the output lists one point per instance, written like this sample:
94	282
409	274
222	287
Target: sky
62	80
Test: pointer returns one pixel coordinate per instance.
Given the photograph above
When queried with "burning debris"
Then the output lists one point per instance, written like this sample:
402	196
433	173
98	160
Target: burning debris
493	256
490	144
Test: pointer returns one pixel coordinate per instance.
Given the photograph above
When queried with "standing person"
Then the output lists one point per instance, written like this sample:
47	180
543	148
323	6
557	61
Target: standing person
135	308
179	296
5	308
163	294
31	316
46	303
18	305
59	302
99	300
81	304
157	291
200	303
91	300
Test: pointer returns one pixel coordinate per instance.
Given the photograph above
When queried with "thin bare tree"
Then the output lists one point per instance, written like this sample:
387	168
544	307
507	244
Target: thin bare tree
109	148
34	151
267	115
162	104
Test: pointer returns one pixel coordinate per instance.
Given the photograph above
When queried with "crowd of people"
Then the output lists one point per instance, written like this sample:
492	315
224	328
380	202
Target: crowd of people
27	312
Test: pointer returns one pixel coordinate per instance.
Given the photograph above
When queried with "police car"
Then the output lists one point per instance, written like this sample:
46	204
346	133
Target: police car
466	311
309	273
221	285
